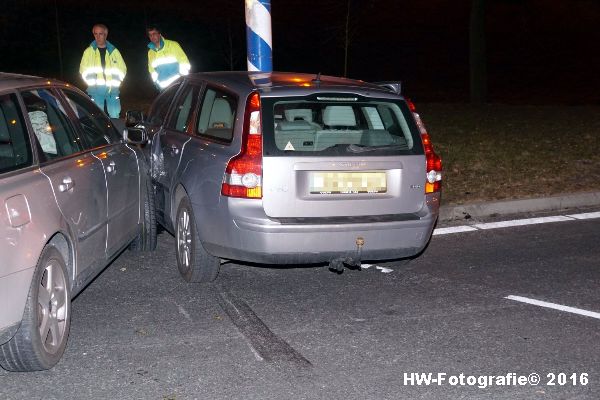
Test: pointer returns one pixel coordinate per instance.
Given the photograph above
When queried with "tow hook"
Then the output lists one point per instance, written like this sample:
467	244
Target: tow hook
351	262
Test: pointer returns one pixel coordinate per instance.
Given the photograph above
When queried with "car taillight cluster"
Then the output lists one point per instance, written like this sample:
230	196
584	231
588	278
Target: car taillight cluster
433	181
243	174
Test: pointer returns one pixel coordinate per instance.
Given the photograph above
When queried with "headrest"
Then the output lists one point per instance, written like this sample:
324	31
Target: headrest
299	113
295	126
220	116
339	116
4	135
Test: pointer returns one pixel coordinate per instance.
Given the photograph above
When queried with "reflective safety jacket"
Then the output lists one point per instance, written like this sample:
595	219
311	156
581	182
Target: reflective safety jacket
91	67
167	63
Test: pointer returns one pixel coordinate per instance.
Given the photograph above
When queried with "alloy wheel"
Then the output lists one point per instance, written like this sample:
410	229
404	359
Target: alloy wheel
53	307
184	238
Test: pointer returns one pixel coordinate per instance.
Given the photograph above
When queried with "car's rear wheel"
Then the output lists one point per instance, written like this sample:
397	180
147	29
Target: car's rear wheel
193	261
146	239
42	337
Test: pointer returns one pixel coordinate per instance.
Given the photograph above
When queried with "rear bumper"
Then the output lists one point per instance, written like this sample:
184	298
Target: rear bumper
251	236
14	289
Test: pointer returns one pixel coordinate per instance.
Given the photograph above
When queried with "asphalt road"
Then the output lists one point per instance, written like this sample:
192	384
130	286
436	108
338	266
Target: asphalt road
140	332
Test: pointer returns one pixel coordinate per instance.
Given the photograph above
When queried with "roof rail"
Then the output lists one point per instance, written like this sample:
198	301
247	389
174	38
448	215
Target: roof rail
394	86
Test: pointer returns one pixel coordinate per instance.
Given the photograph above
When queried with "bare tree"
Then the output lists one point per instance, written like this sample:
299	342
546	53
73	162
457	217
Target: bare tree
477	52
346	41
58	45
344	31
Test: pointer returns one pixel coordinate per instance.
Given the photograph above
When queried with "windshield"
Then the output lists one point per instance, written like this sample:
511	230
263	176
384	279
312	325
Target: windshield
338	126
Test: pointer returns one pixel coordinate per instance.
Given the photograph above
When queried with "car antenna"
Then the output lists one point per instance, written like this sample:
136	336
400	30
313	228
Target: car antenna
317	80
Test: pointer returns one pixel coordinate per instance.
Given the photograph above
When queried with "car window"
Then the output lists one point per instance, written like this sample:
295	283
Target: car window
183	107
158	113
97	128
331	125
50	123
217	115
15	149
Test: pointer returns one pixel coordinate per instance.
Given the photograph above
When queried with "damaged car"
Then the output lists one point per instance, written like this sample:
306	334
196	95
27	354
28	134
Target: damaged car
73	195
285	168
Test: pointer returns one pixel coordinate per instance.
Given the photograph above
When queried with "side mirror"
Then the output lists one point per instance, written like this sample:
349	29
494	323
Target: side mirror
118	123
135	135
133	117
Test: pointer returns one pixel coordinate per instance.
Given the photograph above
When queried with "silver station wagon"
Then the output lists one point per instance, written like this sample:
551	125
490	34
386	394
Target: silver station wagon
73	194
286	168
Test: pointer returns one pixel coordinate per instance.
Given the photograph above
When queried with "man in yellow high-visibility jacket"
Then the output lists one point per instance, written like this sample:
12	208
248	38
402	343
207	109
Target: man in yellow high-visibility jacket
166	59
103	70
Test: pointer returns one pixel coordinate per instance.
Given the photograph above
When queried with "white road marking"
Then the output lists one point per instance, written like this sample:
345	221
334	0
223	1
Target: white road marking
585	215
554	306
183	312
521	222
385	270
253	350
515	222
453	229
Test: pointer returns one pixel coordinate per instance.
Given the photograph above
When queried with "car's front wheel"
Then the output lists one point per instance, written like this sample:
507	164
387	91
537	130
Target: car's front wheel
146	239
193	261
42	337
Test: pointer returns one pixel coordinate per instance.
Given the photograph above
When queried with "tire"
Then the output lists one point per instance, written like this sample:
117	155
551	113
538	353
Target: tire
42	337
193	262
146	239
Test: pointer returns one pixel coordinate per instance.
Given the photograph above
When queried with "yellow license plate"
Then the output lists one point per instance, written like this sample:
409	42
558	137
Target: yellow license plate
330	182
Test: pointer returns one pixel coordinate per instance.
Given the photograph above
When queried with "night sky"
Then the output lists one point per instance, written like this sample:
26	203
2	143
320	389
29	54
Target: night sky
538	51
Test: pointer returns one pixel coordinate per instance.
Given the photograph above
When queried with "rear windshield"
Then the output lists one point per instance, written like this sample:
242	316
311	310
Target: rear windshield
333	125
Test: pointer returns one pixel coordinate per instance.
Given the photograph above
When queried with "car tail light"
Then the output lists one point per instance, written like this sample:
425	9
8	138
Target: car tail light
433	179
243	174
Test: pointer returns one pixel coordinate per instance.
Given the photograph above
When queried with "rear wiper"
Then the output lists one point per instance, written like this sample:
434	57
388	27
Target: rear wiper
355	148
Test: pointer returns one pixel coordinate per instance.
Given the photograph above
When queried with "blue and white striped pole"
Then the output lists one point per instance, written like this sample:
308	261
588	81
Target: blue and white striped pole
258	35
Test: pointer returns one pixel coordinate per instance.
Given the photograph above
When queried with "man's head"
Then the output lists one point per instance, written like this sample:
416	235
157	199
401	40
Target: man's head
154	35
100	32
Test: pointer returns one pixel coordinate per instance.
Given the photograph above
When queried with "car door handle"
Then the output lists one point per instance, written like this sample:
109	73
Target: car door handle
174	150
67	184
111	167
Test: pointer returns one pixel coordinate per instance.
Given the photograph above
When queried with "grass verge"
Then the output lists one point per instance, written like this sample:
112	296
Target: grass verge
498	152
